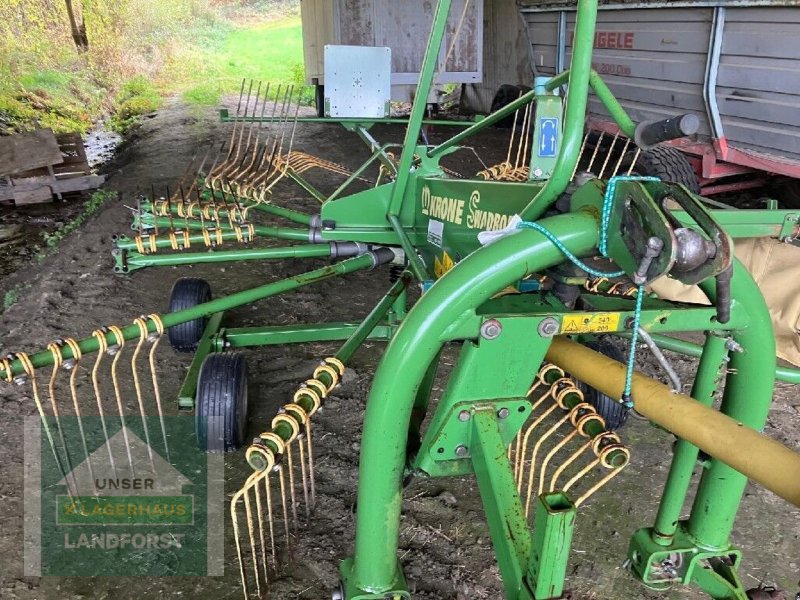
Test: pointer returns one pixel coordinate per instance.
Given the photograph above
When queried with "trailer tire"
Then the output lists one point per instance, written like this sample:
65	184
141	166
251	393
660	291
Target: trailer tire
221	402
614	413
188	292
504	96
669	164
788	194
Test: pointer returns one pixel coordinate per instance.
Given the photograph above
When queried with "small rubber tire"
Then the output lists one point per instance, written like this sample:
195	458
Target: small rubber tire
614	413
188	292
788	193
668	164
504	96
221	402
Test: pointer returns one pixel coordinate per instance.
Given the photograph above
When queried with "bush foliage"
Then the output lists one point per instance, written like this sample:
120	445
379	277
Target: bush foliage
134	47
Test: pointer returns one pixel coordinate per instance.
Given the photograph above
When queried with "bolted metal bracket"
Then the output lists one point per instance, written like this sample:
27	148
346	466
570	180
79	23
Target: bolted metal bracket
548	327
454	439
491	329
790	228
659	567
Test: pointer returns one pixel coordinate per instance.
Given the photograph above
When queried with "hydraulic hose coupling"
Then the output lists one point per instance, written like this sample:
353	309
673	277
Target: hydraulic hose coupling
348	249
315	235
381	256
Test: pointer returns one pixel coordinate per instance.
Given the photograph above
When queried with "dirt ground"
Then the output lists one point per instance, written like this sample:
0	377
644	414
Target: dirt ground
444	546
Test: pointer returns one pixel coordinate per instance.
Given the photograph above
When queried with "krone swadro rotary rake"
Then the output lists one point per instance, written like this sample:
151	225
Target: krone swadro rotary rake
521	268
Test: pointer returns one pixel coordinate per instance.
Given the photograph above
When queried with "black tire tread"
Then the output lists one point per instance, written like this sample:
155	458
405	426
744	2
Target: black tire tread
614	413
669	164
221	392
788	193
188	292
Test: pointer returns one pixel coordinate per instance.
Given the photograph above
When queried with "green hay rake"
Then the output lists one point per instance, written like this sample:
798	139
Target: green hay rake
521	268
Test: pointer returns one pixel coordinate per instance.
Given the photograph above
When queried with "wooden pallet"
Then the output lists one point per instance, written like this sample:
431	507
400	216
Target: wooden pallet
38	166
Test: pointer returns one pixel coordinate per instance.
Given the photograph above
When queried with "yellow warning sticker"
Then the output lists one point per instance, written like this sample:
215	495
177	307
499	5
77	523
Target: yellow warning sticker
590	322
440	267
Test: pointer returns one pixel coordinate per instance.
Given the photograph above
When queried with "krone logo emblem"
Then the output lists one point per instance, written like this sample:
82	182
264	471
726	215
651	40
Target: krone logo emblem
426	198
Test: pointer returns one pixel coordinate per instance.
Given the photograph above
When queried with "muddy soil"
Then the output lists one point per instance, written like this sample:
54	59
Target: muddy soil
444	546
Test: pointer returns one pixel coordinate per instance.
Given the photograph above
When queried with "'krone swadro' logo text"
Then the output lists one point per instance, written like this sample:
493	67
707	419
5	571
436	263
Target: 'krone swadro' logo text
460	212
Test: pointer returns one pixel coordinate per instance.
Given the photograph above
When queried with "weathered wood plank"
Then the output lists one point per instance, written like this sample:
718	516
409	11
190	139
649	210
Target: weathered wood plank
61	186
25	151
36	196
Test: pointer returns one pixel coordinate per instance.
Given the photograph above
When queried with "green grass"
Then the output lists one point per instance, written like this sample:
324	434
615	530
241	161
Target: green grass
59	100
209	59
12	295
136	98
269	52
90	207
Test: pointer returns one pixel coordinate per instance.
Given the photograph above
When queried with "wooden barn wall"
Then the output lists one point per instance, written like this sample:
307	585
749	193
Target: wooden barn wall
505	54
318	30
400	25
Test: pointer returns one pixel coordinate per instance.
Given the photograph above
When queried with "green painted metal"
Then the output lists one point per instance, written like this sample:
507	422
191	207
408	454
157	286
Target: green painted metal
397	590
604	94
785	374
205	346
280	211
387	161
225	117
504	513
747	398
662	317
125	243
89	345
399	308
248	337
133	260
517	354
420	105
612	105
553	523
568	155
356	335
375	316
684	459
660	567
672	551
380	155
495	117
416	344
281	233
414	263
781	224
436	220
544	149
459	210
307	186
265	207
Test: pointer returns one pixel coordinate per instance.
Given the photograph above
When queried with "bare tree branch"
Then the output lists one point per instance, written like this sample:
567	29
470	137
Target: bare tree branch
78	29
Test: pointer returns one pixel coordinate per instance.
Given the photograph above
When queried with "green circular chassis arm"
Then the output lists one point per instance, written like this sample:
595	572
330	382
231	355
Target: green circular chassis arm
472	282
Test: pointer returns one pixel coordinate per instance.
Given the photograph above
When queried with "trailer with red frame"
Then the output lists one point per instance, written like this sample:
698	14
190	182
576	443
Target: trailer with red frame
735	64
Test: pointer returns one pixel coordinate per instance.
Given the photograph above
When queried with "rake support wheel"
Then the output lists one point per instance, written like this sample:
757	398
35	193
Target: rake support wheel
221	403
188	292
614	412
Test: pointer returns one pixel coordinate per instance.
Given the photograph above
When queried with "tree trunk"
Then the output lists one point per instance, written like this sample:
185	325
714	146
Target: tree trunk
78	29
